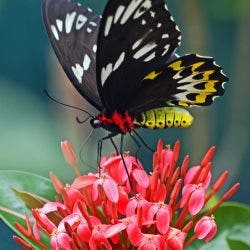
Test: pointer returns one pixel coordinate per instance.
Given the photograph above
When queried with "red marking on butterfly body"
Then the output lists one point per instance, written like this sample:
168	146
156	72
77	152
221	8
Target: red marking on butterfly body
123	121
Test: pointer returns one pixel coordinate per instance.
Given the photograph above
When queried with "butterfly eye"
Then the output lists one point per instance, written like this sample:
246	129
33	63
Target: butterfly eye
95	123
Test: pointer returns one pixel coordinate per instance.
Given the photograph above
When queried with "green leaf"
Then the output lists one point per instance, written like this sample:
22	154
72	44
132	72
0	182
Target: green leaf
236	245
233	221
12	208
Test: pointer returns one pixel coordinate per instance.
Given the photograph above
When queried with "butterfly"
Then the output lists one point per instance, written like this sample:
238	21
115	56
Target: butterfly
124	64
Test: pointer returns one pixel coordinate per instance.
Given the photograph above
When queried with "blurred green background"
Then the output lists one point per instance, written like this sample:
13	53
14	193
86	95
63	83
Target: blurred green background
32	126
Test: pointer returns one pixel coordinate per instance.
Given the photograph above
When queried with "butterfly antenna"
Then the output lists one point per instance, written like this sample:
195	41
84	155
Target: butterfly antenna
81	122
82	147
67	105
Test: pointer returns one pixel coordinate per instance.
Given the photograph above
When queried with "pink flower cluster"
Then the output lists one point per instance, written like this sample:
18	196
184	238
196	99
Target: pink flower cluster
119	209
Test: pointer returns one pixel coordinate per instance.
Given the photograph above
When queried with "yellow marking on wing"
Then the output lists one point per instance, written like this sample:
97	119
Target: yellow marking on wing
207	74
201	98
210	86
196	65
152	75
177	66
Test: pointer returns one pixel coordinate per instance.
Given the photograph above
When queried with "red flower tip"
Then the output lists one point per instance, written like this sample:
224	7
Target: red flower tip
57	183
70	156
208	156
22	243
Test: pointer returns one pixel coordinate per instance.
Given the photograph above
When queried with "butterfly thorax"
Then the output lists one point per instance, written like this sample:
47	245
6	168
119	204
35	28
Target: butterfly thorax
116	122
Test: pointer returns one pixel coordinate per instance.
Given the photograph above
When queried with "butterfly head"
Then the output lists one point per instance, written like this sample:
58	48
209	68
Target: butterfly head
95	123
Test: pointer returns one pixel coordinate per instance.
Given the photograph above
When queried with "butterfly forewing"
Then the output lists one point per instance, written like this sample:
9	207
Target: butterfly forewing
190	80
135	36
73	31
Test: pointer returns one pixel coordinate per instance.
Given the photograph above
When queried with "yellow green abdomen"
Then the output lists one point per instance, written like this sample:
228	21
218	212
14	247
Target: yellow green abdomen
164	118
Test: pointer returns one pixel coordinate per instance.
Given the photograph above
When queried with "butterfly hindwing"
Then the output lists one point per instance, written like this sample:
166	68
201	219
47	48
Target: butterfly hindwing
135	36
190	80
73	31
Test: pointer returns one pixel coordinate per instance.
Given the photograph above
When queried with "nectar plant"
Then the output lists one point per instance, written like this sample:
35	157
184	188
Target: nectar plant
119	209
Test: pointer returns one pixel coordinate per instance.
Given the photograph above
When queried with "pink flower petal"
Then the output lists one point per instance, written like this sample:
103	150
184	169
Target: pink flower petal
163	220
212	233
83	181
202	228
141	177
51	207
53	243
121	170
205	228
114	229
83	232
190	175
186	191
122	202
73	220
152	211
111	190
131	207
196	201
134	234
64	241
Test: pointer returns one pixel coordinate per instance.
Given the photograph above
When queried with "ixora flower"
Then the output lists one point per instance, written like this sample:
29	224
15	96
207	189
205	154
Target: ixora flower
129	209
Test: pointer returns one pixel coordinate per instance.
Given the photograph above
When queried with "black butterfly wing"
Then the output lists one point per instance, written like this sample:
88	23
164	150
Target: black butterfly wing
73	32
135	36
190	80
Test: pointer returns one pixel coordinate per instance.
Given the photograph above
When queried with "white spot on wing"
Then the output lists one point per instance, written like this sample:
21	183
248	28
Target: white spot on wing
78	72
166	49
152	14
106	72
143	22
95	48
150	57
143	8
165	36
81	20
159	25
119	61
70	17
130	9
89	30
118	13
144	50
93	23
108	25
109	69
54	31
86	62
136	44
59	24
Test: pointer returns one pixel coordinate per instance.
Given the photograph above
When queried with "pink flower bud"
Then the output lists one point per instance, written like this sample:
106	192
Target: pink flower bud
69	153
205	228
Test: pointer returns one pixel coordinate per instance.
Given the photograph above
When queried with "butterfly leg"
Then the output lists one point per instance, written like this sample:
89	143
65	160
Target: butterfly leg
113	143
99	148
123	160
143	142
137	143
